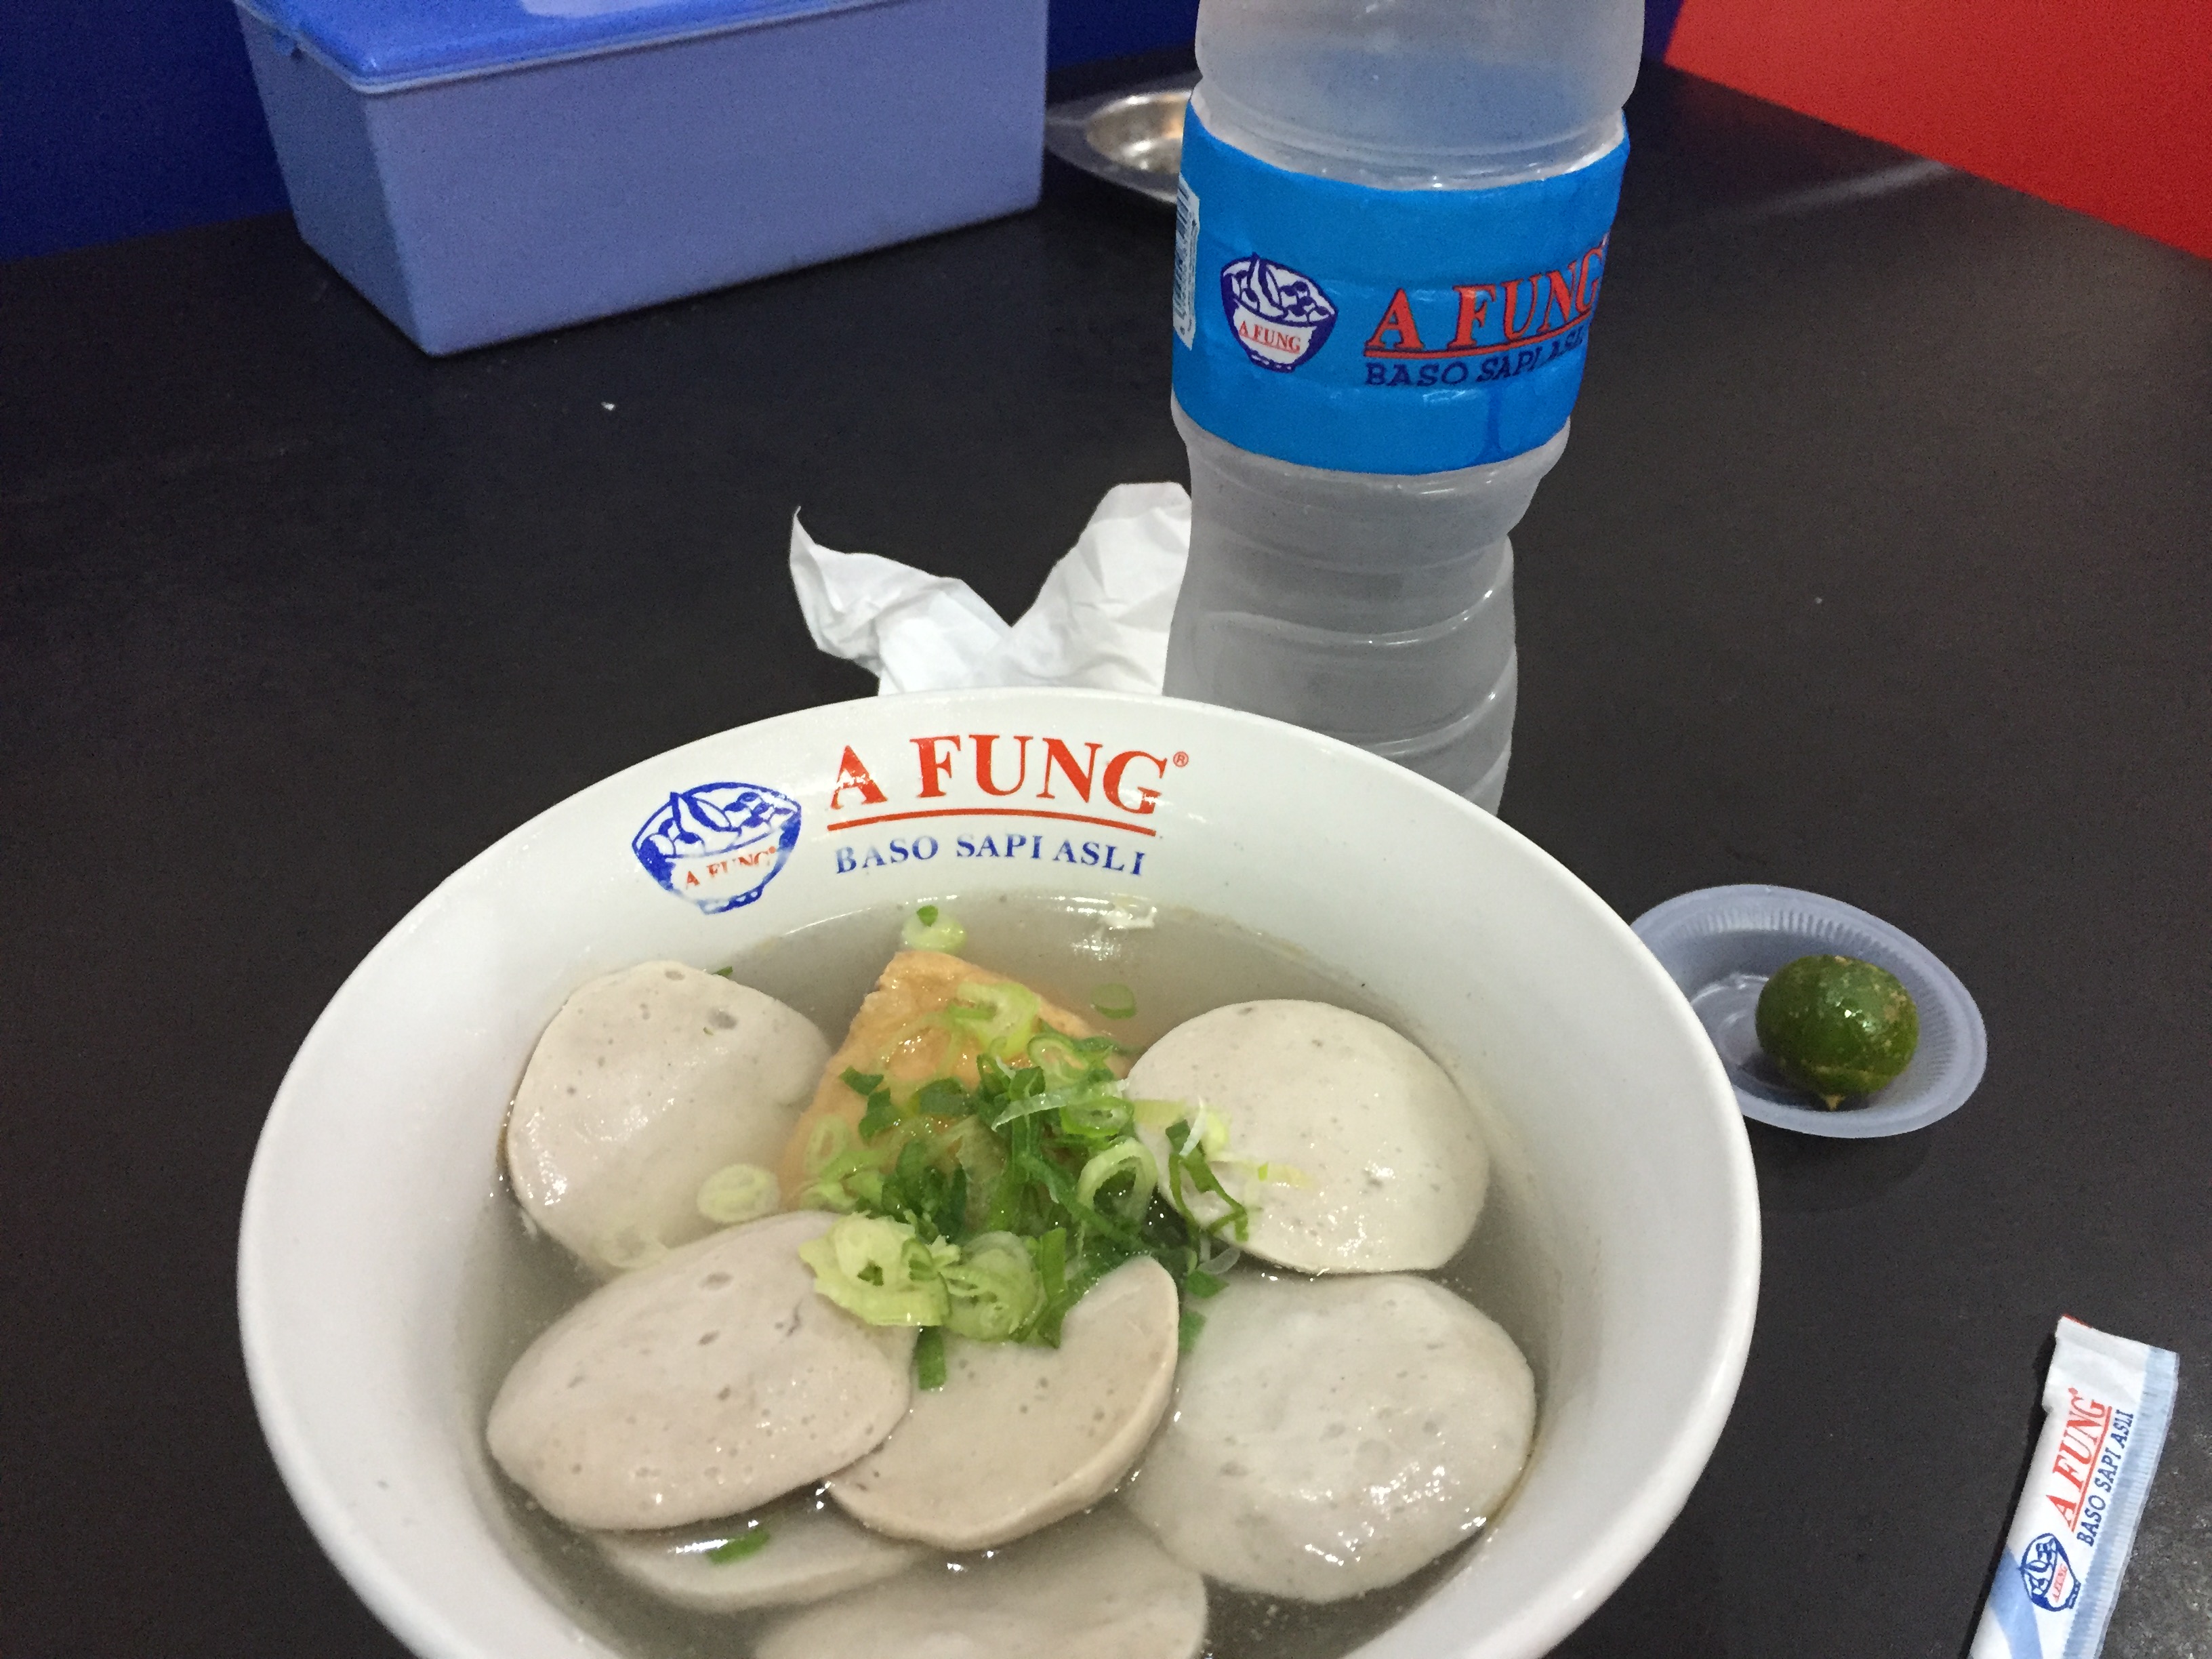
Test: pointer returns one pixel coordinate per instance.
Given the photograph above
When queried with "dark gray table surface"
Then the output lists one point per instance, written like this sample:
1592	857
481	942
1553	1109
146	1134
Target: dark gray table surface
1877	565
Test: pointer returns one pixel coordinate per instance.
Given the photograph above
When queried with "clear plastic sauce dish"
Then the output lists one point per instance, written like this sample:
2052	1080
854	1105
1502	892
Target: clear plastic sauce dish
1720	945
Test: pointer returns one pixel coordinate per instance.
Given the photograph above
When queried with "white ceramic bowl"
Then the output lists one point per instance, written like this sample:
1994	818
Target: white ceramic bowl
378	1155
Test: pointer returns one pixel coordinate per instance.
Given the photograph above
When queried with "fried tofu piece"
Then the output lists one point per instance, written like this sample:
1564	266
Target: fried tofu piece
893	1034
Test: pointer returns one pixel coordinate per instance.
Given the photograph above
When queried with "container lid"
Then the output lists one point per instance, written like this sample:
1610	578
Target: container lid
382	46
1720	945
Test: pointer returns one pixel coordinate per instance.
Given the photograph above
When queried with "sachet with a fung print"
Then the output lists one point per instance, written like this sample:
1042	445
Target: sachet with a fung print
2106	1403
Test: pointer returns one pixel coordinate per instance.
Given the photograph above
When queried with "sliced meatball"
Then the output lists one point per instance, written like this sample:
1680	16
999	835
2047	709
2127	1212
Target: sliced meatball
1020	1437
1356	1153
704	1385
1095	1588
1331	1436
798	1550
646	1082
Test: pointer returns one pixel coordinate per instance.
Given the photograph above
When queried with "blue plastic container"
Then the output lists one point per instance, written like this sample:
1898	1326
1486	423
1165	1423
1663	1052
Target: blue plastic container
482	169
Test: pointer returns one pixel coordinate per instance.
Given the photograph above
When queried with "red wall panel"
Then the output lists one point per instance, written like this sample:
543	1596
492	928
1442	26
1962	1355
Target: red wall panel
2106	108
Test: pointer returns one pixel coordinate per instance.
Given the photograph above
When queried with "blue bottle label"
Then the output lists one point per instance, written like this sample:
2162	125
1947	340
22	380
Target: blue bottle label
1383	330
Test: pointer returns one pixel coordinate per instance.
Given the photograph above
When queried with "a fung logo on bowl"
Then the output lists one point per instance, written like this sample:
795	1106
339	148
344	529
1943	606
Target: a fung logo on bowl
2047	1574
1028	797
1280	316
718	845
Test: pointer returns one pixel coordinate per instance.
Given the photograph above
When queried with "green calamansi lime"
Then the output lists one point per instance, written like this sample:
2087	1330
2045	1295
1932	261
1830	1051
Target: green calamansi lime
1838	1026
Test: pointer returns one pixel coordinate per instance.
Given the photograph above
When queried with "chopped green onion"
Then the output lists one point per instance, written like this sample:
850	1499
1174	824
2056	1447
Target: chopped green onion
830	1138
726	973
1096	1107
943	1097
929	1358
879	1271
1001	1202
1051	1252
1060	1295
1160	1114
1001	1019
930	929
1123	1157
1059	1060
738	1192
880	1115
920	1192
979	1155
1187	1331
752	1542
1201	1172
995	1288
1219	1257
844	1176
1115	1000
1097	1117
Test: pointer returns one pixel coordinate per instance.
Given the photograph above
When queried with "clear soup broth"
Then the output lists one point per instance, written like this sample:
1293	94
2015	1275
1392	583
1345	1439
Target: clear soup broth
1179	964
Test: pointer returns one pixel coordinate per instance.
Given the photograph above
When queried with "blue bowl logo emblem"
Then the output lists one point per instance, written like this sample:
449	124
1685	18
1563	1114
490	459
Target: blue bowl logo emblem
719	844
2050	1577
1280	316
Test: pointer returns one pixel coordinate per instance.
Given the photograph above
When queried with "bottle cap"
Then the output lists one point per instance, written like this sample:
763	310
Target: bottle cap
1721	943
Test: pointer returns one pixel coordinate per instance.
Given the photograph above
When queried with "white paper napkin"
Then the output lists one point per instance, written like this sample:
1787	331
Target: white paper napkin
1101	619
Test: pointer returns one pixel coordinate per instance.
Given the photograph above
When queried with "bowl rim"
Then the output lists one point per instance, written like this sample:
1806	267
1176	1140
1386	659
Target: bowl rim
1613	1551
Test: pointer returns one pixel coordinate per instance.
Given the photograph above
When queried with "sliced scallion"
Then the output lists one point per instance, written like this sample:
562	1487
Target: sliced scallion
1002	1200
1123	1158
880	1115
752	1542
943	1097
1001	1019
929	1358
1094	1104
1113	1000
1063	1063
930	928
1160	1114
1218	1257
738	1193
879	1271
995	1288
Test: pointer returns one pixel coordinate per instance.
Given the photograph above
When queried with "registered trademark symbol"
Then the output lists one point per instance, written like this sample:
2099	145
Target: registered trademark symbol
1181	758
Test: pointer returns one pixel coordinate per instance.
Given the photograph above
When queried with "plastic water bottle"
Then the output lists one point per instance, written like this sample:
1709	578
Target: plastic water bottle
1363	407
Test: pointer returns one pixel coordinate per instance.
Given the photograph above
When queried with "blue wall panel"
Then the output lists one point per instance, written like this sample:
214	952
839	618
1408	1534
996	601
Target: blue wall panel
1084	31
1659	19
116	119
140	115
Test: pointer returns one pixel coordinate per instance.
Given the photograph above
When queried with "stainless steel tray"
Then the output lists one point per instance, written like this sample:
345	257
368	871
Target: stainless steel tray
1131	137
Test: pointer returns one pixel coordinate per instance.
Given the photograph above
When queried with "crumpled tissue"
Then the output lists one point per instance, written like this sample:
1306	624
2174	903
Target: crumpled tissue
1100	620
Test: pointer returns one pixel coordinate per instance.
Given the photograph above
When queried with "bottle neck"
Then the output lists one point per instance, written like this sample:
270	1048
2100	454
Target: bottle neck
1295	150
